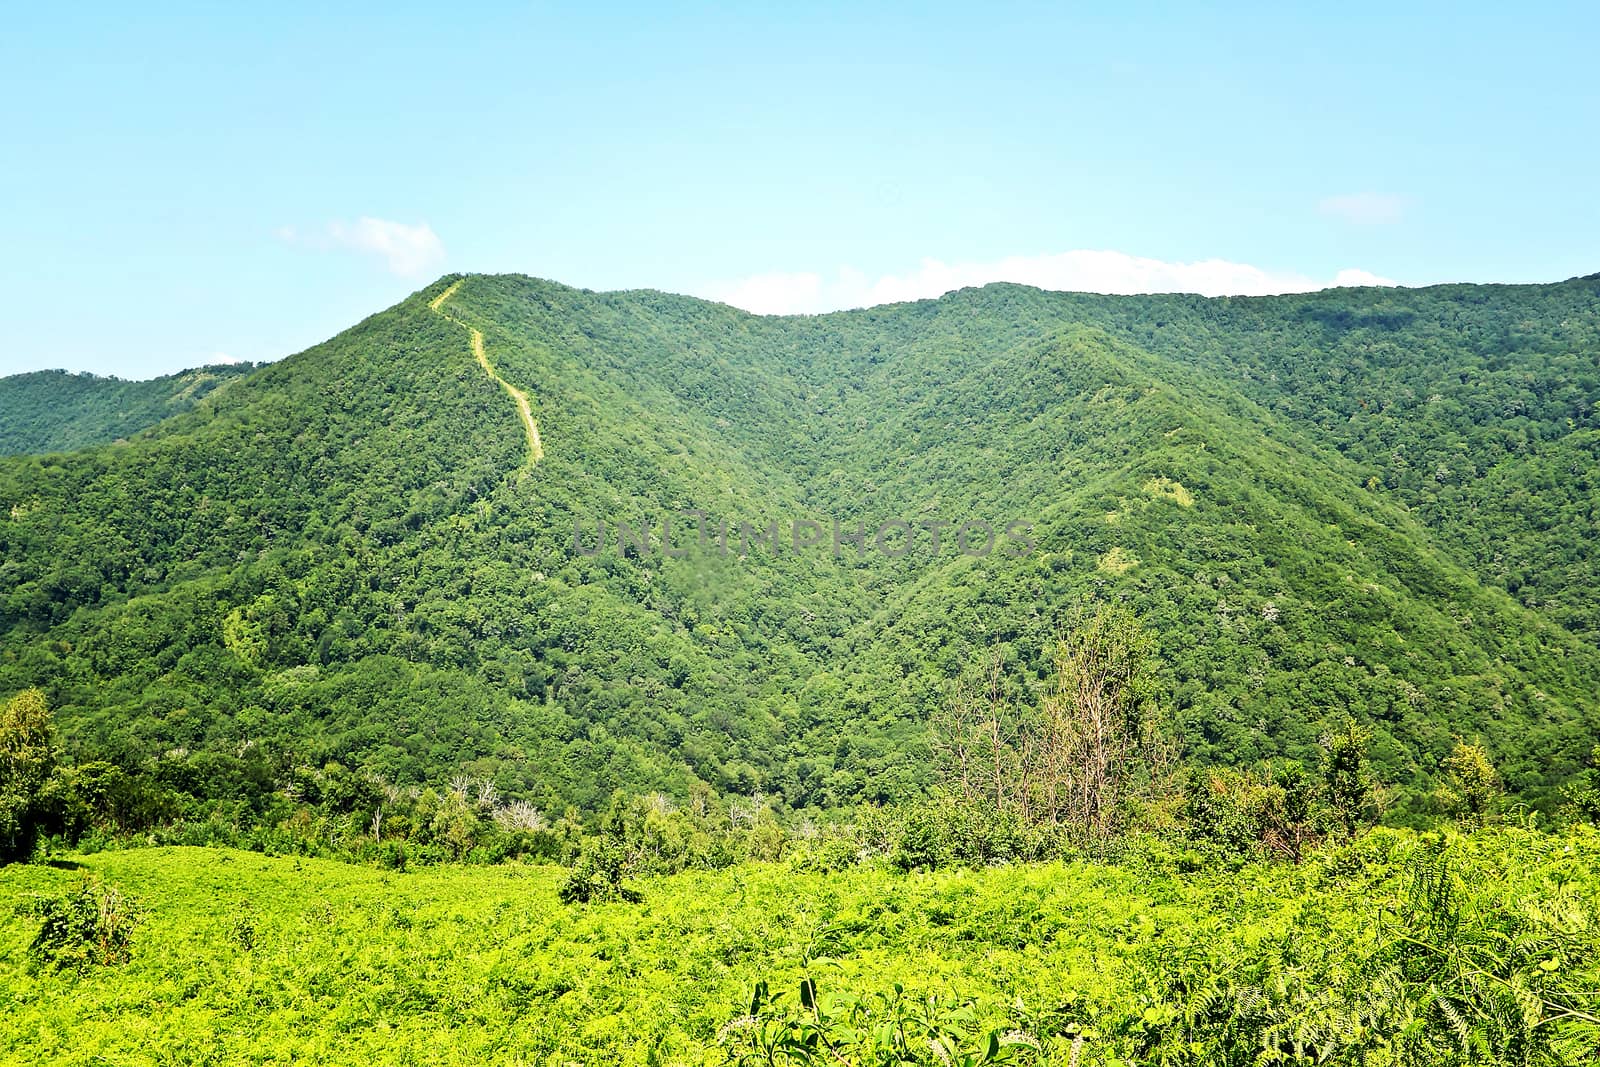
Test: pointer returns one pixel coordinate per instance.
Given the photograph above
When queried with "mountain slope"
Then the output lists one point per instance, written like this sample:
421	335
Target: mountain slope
347	555
1475	406
53	411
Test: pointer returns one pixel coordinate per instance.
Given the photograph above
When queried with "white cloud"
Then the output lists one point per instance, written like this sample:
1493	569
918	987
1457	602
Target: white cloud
409	251
771	294
1077	271
1353	278
222	359
1365	209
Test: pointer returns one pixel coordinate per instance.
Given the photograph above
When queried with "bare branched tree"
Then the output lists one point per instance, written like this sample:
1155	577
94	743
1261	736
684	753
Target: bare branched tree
1070	759
519	815
975	737
1096	721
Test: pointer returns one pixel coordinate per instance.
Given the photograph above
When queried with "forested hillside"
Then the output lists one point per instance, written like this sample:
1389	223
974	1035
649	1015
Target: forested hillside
53	411
1366	502
1474	405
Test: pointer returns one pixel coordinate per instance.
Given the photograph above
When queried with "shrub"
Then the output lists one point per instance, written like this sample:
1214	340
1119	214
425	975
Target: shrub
1271	812
242	927
597	876
920	843
829	851
90	925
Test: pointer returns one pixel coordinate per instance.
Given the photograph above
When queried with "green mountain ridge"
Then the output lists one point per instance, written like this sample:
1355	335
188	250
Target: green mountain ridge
54	411
344	555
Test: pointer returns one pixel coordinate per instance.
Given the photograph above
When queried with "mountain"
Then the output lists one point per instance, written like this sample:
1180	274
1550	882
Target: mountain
1472	405
53	411
383	550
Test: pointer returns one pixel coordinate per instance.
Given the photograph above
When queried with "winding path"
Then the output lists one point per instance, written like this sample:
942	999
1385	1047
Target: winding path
524	408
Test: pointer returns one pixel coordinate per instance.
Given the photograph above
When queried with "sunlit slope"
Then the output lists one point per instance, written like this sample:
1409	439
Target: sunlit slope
1283	592
349	554
53	411
1476	406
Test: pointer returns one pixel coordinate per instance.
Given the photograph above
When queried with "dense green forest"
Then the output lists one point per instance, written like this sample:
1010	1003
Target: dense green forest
53	411
1375	503
1016	677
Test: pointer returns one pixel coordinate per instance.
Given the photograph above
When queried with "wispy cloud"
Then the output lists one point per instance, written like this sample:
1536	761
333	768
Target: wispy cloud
409	251
1365	209
1077	271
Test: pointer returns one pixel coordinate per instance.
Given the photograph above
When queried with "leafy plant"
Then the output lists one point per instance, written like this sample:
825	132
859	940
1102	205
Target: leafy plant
27	757
91	924
242	927
598	875
1472	786
883	1029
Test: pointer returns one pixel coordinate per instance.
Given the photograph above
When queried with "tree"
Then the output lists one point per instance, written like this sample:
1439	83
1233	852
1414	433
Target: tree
1097	723
977	737
27	758
1472	784
1069	762
1347	782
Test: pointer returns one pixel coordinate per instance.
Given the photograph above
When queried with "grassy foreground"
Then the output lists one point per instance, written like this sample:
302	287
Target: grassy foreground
246	958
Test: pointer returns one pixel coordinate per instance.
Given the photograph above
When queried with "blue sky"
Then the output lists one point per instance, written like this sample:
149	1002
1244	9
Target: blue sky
186	182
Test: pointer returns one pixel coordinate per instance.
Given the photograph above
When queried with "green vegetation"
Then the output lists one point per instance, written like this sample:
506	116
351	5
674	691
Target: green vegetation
90	925
1398	949
1473	405
340	558
27	761
53	411
1296	566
